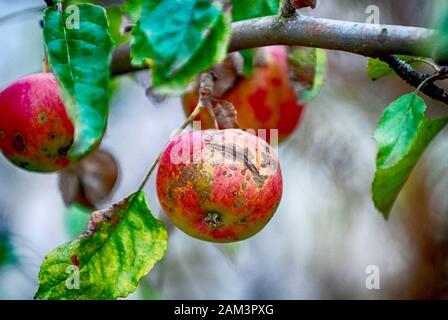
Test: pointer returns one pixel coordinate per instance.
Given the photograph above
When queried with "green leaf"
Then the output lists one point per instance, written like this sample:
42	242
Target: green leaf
76	218
115	17
308	65
179	40
319	76
134	9
402	135
80	58
377	69
248	61
249	9
441	23
68	3
120	246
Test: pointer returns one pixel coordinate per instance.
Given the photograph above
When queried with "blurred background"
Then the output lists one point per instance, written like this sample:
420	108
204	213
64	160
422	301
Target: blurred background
326	231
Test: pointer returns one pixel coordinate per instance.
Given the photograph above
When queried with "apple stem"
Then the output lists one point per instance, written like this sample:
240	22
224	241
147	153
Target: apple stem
45	64
286	9
212	115
207	80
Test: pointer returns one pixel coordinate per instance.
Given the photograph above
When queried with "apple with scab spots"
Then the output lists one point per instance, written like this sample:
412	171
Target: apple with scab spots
265	100
35	130
219	185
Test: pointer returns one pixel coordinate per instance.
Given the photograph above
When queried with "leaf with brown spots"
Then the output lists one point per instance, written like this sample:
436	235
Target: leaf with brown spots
109	215
19	143
120	246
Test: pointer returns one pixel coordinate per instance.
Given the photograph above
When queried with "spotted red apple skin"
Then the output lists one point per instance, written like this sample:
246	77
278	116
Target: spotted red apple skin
266	100
35	130
228	193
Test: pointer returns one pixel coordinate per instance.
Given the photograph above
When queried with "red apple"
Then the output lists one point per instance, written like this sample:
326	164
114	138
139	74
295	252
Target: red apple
266	100
219	185
35	130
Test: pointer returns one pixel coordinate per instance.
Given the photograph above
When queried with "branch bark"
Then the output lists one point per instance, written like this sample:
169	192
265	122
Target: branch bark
415	78
371	40
360	38
286	9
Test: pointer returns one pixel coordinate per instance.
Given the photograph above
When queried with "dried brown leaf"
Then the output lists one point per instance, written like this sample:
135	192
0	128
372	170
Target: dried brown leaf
227	73
91	181
225	115
109	215
299	4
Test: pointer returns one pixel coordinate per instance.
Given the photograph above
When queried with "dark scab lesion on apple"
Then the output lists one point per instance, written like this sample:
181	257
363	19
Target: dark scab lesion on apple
47	153
63	151
19	143
42	117
21	163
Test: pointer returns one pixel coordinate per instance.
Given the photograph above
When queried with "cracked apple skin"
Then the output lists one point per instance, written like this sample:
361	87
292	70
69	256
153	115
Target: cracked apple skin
35	130
227	193
266	100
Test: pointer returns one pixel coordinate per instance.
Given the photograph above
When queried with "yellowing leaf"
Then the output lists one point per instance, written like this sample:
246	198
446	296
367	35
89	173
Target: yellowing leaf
120	246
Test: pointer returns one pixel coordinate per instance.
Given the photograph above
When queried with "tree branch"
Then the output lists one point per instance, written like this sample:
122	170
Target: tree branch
286	9
365	39
361	38
415	78
371	40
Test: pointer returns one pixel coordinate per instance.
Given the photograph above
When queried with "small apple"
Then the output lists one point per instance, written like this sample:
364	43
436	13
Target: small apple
266	100
35	130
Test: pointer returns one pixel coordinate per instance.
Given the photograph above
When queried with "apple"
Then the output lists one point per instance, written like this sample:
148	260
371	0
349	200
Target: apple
266	100
219	185
35	130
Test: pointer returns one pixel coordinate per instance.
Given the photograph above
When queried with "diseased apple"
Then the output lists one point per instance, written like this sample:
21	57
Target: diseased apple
35	130
219	185
266	100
